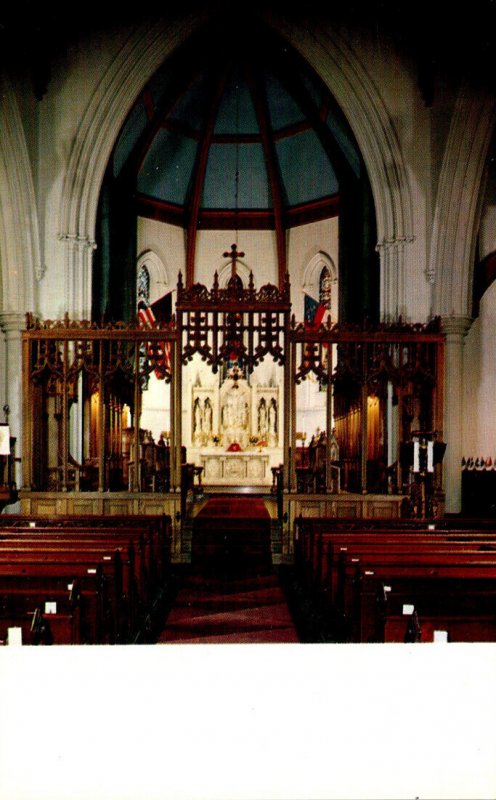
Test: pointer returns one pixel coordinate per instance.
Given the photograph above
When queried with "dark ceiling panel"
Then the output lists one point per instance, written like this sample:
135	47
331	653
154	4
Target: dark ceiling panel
166	170
242	167
222	189
314	178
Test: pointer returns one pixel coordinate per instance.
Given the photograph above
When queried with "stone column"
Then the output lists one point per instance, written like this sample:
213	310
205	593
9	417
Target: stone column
12	325
78	270
392	290
455	329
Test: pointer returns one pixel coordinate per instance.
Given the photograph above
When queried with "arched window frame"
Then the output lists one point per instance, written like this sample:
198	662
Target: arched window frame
159	278
312	280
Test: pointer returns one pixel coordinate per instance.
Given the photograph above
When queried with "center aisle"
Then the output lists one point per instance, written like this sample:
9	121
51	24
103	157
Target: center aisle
231	592
209	610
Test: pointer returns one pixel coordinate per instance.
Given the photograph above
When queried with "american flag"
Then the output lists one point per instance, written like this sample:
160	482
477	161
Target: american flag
160	352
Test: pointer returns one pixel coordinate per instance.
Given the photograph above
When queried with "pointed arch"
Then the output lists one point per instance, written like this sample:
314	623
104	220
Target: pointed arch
140	56
340	67
458	209
159	277
20	255
312	280
336	63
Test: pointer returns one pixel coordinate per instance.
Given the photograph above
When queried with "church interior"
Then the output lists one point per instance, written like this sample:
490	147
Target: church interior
247	262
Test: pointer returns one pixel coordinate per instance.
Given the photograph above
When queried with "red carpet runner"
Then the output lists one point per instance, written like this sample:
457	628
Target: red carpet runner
241	507
231	593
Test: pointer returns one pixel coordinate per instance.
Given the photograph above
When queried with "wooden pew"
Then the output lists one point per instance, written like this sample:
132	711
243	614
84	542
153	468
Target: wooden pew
87	540
360	608
463	603
148	537
156	531
157	525
28	611
312	533
319	555
49	582
374	523
116	622
106	615
360	548
327	547
146	554
467	613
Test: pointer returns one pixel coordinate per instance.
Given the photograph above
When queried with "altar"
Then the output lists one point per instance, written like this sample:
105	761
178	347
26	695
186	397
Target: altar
233	425
235	469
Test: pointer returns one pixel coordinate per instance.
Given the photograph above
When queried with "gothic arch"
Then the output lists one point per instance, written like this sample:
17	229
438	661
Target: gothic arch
349	82
20	256
159	278
140	57
311	278
336	63
341	68
458	204
314	267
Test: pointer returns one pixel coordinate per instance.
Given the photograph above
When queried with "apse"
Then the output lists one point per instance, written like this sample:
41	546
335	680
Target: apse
235	139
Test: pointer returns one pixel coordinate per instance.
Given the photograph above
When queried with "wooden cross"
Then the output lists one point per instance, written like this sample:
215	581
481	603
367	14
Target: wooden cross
233	255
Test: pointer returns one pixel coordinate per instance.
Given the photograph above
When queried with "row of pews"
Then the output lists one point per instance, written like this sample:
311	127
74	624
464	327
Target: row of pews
81	579
375	580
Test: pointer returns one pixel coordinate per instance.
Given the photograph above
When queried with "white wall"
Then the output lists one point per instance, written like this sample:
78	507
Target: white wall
167	243
479	434
259	248
304	243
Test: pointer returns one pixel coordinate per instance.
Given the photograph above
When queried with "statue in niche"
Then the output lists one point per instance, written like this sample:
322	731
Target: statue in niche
207	416
262	418
235	415
272	419
226	415
197	419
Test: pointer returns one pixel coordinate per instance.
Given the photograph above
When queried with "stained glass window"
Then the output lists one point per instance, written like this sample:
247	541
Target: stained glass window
143	293
325	288
143	284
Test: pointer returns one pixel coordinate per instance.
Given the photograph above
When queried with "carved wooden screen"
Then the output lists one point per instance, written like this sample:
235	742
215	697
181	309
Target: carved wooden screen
80	381
233	323
360	363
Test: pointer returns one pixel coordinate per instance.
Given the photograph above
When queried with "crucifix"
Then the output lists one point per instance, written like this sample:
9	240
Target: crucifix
233	255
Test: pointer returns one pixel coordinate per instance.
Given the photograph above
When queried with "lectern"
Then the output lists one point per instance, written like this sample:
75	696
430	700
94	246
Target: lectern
421	455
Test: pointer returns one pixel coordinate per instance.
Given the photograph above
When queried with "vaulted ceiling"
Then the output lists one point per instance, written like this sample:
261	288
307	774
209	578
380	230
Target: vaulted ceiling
236	132
440	38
